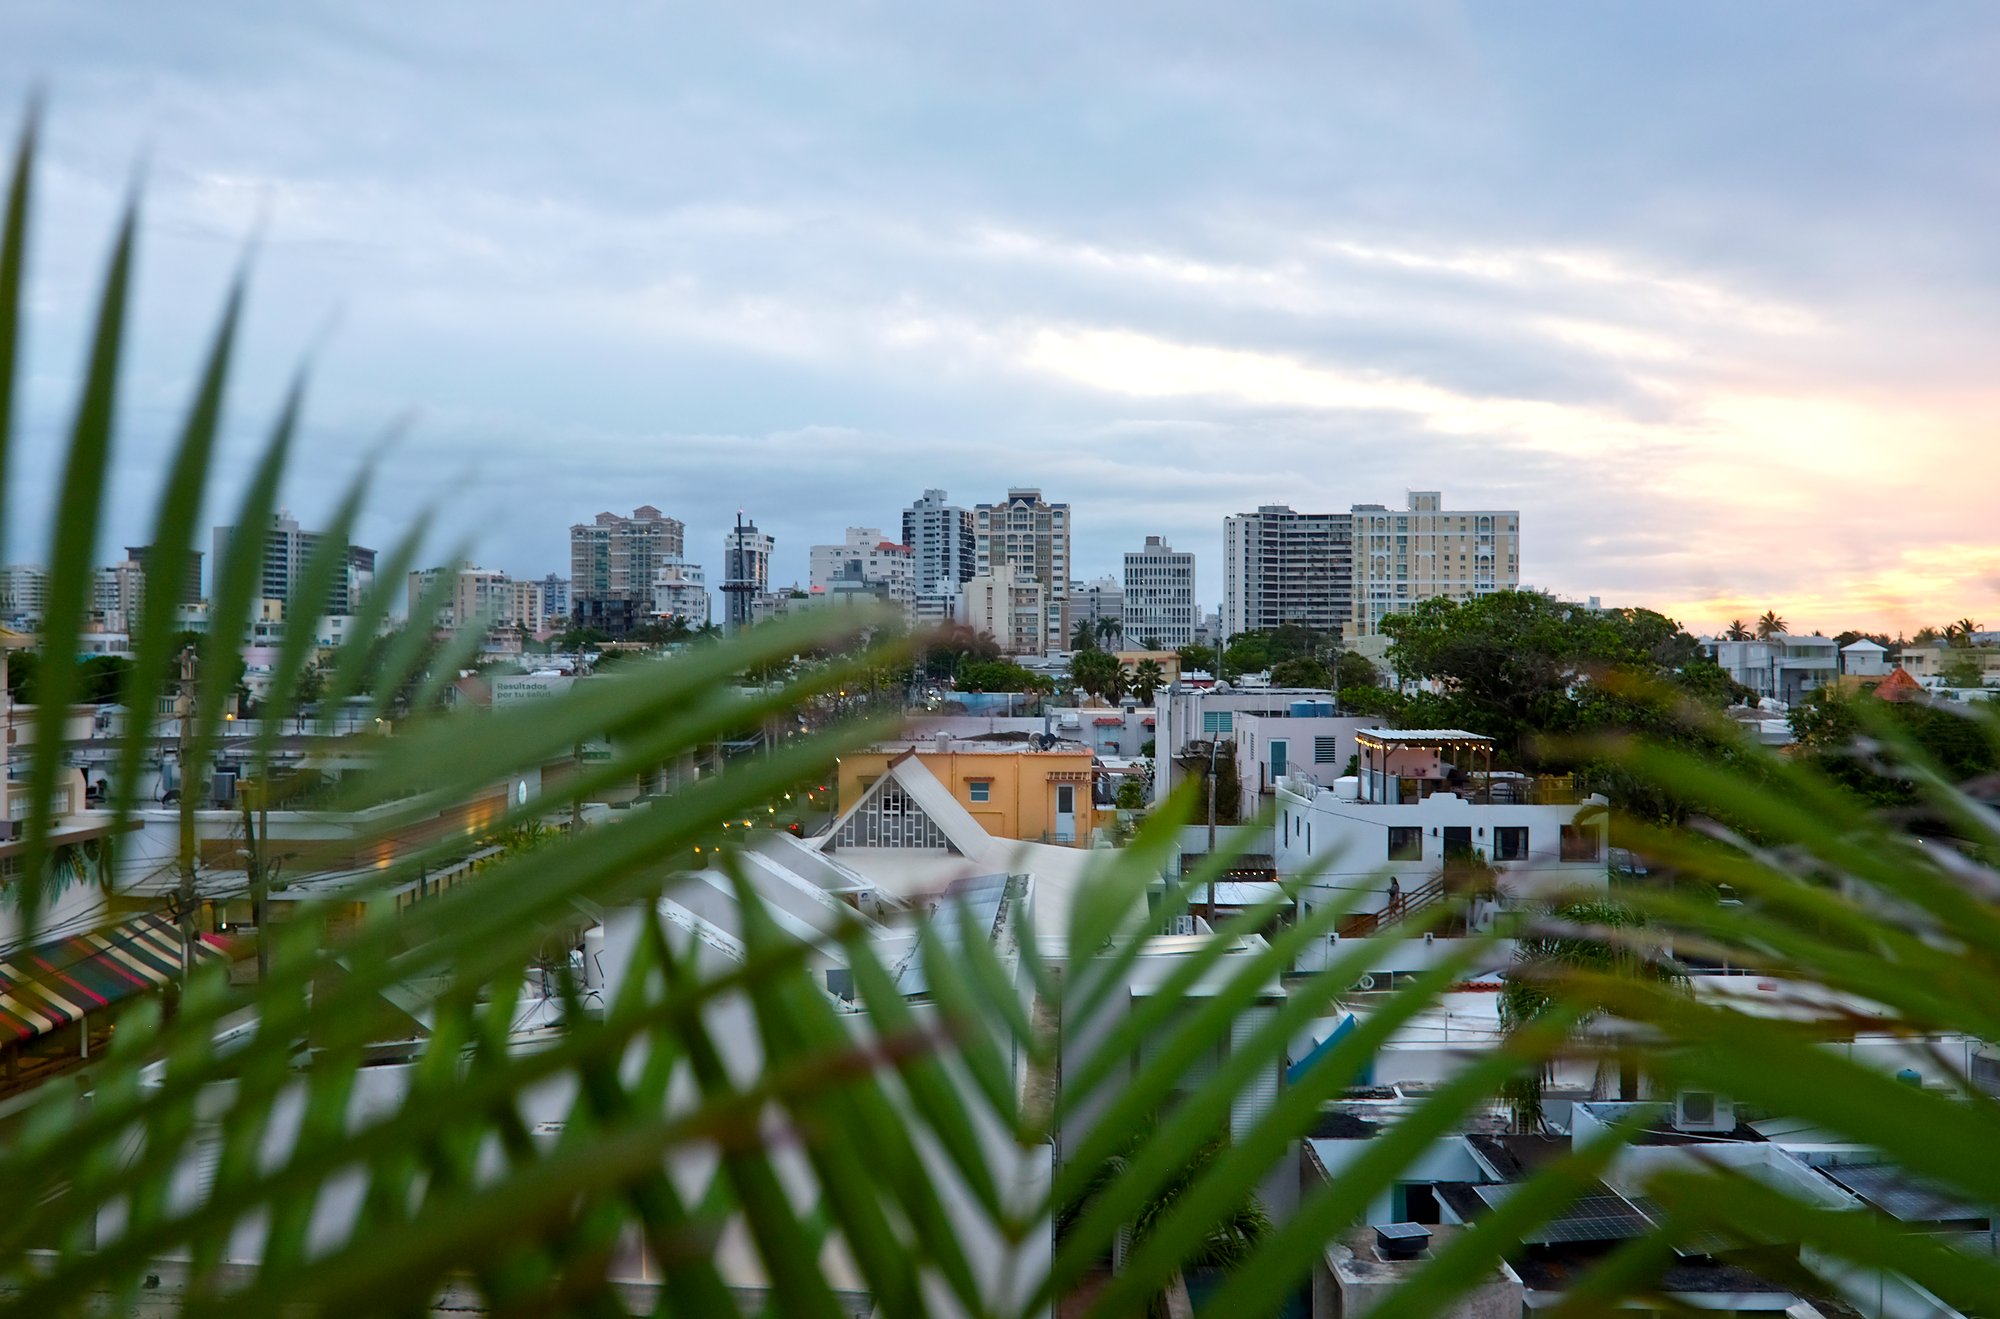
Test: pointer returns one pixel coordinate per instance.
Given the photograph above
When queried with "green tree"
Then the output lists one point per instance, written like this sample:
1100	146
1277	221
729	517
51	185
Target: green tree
1963	670
1083	636
1737	630
1300	671
1098	673
1131	794
1356	671
1110	631
1197	659
1147	678
998	675
1770	625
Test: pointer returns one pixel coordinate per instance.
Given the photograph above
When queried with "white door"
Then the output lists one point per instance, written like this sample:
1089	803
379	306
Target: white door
1065	812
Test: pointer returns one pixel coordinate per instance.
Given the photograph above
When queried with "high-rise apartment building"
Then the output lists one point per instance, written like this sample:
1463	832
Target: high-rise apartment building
555	597
1159	596
1281	566
1008	606
746	573
680	591
943	550
190	577
1350	570
866	564
613	558
1096	602
24	594
118	596
287	549
481	596
1032	536
1416	553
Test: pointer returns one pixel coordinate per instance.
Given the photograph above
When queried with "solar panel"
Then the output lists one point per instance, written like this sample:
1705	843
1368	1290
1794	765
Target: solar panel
1905	1197
1691	1241
1599	1214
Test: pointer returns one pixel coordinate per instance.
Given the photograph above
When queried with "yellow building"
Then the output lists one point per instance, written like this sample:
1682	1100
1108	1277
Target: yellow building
1012	789
1168	660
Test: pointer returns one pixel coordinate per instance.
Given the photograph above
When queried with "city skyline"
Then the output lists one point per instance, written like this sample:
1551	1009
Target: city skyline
1595	267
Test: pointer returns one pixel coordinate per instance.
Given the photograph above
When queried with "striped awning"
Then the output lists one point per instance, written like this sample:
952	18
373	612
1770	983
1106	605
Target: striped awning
57	983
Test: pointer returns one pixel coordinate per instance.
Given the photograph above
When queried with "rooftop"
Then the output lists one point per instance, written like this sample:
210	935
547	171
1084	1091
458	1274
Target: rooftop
1422	736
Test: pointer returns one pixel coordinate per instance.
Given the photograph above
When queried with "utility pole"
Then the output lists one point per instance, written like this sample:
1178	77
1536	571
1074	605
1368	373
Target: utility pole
186	841
1214	743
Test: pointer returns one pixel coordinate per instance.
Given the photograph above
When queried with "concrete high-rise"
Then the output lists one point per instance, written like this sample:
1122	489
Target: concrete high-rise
190	577
1424	551
1281	566
613	557
1348	571
865	564
1008	606
1159	596
943	547
287	548
746	573
1032	536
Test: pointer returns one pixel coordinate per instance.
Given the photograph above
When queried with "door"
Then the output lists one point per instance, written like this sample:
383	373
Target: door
1277	762
1065	812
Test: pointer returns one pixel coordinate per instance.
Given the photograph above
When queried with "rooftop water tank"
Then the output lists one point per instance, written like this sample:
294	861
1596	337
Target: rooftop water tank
1347	788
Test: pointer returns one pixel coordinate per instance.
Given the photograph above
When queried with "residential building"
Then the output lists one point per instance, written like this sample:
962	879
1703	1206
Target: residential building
1864	659
680	591
481	596
287	548
1280	566
24	594
1780	666
1423	800
1160	611
1010	783
1032	536
118	596
555	598
616	559
1927	664
942	554
1426	551
864	564
1098	602
190	578
1008	606
746	573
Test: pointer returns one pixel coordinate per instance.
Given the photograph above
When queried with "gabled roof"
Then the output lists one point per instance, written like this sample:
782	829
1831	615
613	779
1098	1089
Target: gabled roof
965	834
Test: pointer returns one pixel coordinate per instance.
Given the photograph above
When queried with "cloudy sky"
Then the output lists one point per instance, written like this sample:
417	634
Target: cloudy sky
1706	290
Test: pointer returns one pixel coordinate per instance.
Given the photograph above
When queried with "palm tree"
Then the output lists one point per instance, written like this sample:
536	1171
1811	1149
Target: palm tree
1110	630
1960	633
1770	625
746	1061
1147	678
1737	630
1083	636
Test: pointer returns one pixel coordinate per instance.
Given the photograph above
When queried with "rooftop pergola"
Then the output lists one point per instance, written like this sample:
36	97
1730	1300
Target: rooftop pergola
1376	747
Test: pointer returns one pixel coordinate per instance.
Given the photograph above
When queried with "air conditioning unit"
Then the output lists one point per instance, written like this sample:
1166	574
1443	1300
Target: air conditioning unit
1703	1110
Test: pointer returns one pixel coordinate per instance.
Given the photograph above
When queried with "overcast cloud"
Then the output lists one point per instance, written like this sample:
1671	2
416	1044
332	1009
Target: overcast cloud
1706	290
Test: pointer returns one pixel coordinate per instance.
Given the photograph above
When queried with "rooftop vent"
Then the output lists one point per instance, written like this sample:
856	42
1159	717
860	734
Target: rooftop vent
1402	1240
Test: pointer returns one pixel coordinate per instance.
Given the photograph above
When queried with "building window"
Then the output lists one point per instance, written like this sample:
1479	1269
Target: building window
1406	843
1510	843
1580	843
979	790
1326	750
1217	721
